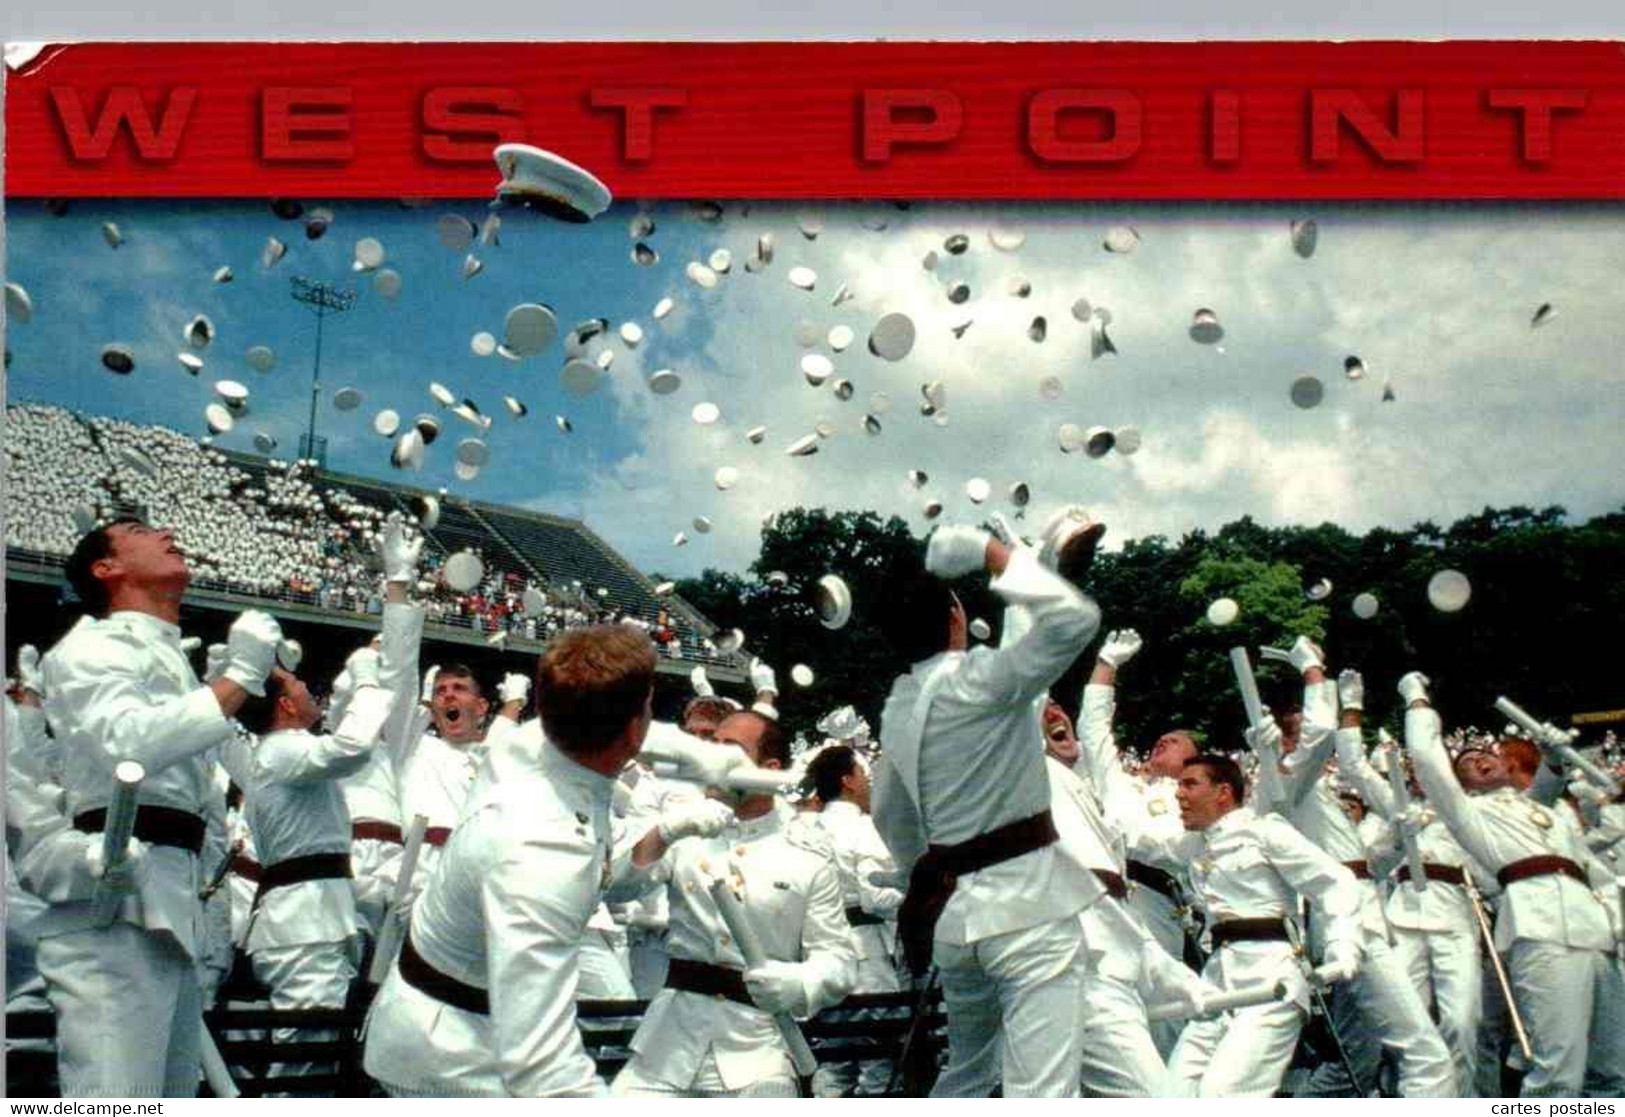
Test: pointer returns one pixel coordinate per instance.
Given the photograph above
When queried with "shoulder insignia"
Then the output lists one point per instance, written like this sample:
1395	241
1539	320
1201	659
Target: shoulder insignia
1540	818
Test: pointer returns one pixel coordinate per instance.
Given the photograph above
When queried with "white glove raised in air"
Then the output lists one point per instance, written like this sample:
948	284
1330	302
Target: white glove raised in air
251	650
1303	655
399	549
1414	686
1350	690
123	879
777	987
1265	736
956	549
695	818
28	672
700	682
514	688
1120	647
363	667
762	678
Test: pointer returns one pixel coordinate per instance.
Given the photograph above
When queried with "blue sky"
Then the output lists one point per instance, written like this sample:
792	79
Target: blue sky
1435	299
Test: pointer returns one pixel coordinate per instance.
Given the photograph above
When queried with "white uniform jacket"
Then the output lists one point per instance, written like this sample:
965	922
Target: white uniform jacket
1504	826
1249	867
792	897
858	853
295	808
118	689
505	913
961	758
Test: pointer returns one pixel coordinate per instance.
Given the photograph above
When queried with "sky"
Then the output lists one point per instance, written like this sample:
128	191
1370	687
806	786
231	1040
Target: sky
1436	300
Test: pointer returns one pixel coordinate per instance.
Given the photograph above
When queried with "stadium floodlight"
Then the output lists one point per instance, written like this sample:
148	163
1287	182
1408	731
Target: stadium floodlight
323	299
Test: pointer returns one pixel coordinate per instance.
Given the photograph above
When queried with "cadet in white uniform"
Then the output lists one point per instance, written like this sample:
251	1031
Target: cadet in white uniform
304	936
963	803
119	687
1552	928
710	1032
840	776
1436	933
481	1001
1141	806
1248	872
1382	1005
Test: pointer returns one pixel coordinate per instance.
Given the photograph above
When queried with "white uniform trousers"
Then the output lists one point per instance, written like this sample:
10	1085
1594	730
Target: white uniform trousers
376	865
128	1013
634	1082
1120	1059
603	973
1494	1032
1008	998
1571	1004
1448	970
310	975
1162	919
1242	1054
1382	1007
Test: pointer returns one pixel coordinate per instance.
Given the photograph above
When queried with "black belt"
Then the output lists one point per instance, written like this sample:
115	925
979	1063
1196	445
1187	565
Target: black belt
247	868
857	917
297	870
1444	874
1543	866
1115	886
446	989
937	874
1155	879
1360	869
708	980
159	826
436	835
1249	930
377	831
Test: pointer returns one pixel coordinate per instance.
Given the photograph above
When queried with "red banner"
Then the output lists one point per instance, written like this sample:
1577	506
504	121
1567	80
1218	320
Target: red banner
827	120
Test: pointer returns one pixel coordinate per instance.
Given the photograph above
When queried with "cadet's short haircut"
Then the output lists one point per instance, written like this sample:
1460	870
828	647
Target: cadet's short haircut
774	743
829	768
590	682
914	618
93	546
258	714
1222	770
711	707
462	671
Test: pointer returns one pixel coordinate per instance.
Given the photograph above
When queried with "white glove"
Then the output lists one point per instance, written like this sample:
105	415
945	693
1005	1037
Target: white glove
1303	655
1350	690
762	677
190	644
251	650
429	677
895	879
701	682
28	672
777	987
695	818
124	879
400	550
214	662
363	668
1266	738
1414	686
705	762
514	688
956	549
1342	961
1120	647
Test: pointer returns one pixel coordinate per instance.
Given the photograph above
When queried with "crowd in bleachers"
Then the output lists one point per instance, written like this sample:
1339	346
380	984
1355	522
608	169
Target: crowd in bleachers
271	531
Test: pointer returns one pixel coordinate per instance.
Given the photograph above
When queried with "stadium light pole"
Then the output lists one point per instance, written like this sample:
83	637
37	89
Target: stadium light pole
323	299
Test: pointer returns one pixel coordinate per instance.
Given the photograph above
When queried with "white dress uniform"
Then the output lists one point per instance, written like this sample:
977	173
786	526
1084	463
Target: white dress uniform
1143	809
1120	1059
649	916
27	778
1436	934
603	973
373	793
961	760
871	911
481	1001
1382	1006
1551	928
1247	872
219	949
303	933
126	997
708	1045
